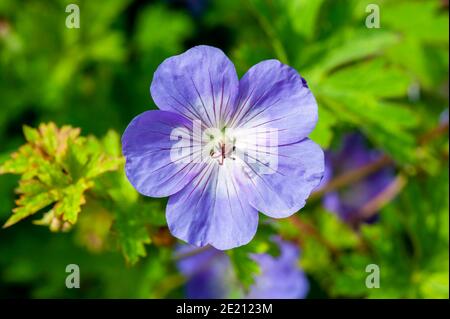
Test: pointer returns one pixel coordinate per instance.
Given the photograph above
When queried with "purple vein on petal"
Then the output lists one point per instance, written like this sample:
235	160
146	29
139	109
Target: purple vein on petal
201	100
241	107
213	98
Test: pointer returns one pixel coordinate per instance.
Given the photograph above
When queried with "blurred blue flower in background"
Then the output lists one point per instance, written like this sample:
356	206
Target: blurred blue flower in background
443	118
210	275
348	201
280	277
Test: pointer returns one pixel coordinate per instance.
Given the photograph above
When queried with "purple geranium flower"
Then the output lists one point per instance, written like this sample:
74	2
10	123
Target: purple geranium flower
211	275
353	154
252	153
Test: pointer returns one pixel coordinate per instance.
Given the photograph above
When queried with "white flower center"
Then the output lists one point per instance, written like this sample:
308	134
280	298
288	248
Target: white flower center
221	147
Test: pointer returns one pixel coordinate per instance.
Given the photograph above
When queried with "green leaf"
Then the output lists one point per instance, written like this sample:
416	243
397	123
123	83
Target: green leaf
386	124
101	163
317	260
177	26
58	167
427	64
132	235
31	134
110	47
72	198
29	205
153	213
19	161
351	281
435	284
374	77
304	15
111	143
244	266
429	24
352	46
323	132
330	225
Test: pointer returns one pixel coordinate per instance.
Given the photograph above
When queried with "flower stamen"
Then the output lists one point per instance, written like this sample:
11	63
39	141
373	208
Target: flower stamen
222	151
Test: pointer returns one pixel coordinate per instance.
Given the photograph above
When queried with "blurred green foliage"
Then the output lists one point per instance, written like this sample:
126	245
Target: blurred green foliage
389	83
